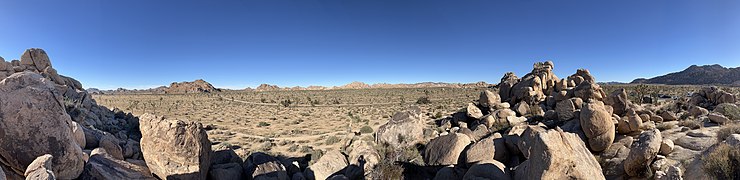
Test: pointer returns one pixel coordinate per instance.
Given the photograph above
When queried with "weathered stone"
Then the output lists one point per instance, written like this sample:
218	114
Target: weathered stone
445	150
668	116
363	154
33	118
404	129
697	111
330	163
522	108
110	144
666	147
262	166
589	90
489	99
597	125
102	165
473	112
37	58
488	170
618	100
175	149
642	153
555	154
490	148
565	110
506	85
718	118
40	169
79	135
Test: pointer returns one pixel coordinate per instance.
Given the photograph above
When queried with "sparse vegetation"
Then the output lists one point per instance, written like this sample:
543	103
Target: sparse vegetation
723	162
727	130
366	130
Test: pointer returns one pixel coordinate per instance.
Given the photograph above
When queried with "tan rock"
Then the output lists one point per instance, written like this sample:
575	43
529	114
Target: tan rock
102	165
643	153
489	99
404	129
175	149
473	112
445	150
37	58
488	170
597	124
555	154
718	118
33	119
40	169
330	163
666	147
486	150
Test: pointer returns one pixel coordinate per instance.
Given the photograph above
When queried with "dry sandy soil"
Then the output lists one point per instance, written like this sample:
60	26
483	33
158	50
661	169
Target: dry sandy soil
259	121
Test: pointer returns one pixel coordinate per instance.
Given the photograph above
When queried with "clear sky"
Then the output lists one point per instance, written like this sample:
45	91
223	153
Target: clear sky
235	44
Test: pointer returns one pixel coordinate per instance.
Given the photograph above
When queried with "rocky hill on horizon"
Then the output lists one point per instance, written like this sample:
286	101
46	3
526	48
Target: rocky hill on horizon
197	86
362	85
697	75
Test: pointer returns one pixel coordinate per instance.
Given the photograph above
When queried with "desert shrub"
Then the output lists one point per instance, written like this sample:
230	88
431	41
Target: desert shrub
727	130
438	115
723	162
691	123
332	139
263	124
423	100
293	148
366	130
286	103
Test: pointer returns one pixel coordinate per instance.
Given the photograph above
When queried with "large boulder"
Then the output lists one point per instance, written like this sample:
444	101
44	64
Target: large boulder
262	166
330	163
103	165
489	99
36	58
473	111
598	126
404	129
487	149
555	154
589	90
33	122
174	149
642	153
488	170
363	154
445	150
708	97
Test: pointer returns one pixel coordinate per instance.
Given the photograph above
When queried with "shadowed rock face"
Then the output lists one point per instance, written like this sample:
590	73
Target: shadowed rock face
33	119
175	149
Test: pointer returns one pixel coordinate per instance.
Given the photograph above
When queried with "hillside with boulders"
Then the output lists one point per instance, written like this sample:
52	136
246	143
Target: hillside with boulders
538	126
697	75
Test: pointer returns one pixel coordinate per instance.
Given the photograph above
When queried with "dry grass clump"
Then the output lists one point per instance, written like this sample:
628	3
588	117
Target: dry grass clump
727	130
723	162
366	130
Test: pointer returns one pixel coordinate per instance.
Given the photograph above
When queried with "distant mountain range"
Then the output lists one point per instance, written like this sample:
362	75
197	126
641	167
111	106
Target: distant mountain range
697	75
361	85
201	86
197	86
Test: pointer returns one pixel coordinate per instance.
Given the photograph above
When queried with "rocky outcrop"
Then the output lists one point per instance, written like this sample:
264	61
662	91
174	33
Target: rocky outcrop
197	86
33	117
697	75
709	97
175	149
404	129
555	154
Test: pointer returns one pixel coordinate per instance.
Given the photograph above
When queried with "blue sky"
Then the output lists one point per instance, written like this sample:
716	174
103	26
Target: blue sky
235	44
